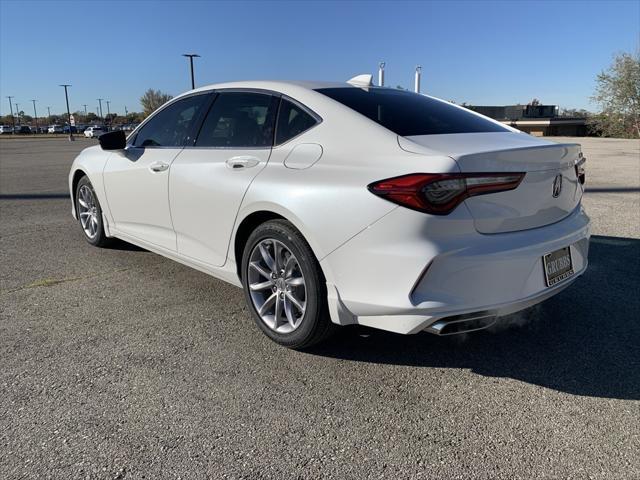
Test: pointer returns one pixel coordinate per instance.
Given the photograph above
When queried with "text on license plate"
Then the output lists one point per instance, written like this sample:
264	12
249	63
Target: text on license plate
557	266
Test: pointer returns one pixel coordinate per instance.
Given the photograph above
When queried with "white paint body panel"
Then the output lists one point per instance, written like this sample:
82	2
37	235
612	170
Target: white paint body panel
205	194
386	266
138	198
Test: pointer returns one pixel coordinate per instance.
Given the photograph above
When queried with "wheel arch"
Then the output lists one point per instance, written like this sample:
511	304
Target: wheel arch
77	175
251	220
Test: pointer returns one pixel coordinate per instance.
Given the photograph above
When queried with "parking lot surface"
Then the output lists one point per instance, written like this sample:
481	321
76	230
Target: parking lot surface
118	363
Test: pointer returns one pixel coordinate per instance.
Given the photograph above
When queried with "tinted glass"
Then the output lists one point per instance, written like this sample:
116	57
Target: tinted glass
171	126
407	113
292	121
239	119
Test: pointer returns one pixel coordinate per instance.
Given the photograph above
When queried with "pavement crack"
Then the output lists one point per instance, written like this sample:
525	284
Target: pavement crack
50	282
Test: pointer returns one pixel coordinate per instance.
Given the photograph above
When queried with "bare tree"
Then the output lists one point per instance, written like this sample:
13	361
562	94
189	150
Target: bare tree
618	95
152	100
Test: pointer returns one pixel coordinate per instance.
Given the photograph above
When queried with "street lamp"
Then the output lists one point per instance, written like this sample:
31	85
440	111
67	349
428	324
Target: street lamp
85	112
13	120
35	113
18	112
49	115
108	111
191	57
66	96
100	102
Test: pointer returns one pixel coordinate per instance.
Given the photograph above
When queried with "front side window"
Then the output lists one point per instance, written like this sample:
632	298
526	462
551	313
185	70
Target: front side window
292	121
407	113
239	120
172	126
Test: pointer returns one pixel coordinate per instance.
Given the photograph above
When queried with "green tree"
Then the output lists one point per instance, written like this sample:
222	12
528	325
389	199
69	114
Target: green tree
618	96
152	100
574	113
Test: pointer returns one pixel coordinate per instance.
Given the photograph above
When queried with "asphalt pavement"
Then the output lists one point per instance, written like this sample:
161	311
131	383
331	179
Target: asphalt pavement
117	363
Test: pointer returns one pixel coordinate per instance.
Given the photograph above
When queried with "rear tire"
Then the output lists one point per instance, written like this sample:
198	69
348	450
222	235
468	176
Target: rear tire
284	286
89	214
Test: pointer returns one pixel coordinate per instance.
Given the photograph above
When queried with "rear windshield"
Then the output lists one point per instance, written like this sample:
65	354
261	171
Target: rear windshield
407	113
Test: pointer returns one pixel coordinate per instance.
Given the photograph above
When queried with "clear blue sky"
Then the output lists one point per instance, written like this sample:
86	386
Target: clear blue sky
478	52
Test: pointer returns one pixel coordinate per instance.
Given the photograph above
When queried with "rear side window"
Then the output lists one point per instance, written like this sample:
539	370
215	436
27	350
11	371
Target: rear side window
292	121
172	126
239	119
407	113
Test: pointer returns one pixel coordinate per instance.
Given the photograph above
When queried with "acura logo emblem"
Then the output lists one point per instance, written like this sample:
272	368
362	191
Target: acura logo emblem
557	186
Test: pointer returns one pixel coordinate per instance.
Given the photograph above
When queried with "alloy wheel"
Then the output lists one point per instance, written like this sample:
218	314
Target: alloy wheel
277	286
88	212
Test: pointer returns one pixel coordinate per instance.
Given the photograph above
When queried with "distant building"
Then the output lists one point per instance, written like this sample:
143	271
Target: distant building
538	120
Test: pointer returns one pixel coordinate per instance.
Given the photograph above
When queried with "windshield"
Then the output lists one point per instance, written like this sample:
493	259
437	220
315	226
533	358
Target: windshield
407	113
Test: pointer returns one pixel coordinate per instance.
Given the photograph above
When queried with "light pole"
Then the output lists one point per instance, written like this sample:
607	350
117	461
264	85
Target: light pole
13	120
125	112
35	113
109	112
85	112
49	115
18	112
66	96
100	102
191	57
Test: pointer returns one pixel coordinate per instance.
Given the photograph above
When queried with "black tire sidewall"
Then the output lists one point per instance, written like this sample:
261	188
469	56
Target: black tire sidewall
100	237
314	280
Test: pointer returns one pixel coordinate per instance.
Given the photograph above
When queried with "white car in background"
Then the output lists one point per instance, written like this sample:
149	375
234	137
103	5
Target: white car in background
55	129
343	203
91	132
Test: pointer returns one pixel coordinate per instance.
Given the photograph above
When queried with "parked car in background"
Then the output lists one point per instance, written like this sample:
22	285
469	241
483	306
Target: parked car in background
73	129
93	132
23	129
55	129
5	129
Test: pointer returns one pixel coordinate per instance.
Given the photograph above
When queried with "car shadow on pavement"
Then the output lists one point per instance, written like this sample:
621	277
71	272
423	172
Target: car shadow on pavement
117	244
584	341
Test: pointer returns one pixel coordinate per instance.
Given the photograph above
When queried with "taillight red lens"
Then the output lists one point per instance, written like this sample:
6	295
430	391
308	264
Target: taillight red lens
440	194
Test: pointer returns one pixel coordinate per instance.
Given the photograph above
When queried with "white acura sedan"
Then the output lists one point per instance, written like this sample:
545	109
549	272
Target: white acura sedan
341	203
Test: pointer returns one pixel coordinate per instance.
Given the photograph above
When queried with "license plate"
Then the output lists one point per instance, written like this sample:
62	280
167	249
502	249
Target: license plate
557	266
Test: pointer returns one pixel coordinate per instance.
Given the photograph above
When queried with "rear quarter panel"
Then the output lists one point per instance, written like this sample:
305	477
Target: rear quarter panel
329	201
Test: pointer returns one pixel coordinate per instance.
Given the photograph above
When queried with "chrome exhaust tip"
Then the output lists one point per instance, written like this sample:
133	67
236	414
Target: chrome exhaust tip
462	323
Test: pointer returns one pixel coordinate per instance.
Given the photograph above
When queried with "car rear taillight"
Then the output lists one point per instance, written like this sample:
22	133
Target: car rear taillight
440	194
580	171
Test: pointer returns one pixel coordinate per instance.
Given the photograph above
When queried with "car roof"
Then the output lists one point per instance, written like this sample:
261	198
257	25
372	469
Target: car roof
276	85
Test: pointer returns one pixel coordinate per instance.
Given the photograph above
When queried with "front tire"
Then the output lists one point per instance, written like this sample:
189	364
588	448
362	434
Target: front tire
284	286
89	214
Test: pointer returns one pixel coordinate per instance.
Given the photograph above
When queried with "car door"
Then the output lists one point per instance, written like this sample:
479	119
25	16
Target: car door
137	180
209	180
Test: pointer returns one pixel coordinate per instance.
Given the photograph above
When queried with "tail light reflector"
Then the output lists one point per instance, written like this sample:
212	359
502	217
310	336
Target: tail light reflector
440	194
580	171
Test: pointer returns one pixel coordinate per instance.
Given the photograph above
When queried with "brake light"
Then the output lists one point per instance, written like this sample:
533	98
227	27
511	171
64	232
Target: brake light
440	194
580	170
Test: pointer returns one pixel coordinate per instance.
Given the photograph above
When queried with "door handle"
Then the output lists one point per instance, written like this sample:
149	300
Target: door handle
158	166
242	161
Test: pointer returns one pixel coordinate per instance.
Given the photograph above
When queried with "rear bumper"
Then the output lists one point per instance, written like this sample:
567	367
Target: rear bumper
409	270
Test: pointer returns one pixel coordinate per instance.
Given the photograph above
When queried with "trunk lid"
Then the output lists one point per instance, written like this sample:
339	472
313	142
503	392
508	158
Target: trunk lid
537	201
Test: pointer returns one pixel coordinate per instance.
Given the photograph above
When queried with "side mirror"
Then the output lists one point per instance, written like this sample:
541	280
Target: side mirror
113	140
